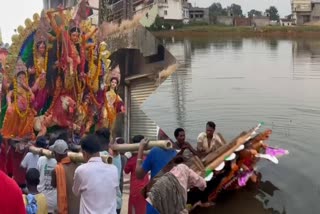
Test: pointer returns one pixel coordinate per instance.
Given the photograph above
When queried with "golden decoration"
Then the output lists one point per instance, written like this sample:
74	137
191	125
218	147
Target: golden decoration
17	42
20	29
28	23
36	17
15	38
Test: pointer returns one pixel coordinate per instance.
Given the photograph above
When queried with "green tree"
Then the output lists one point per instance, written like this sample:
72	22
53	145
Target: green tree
216	9
273	13
254	12
235	10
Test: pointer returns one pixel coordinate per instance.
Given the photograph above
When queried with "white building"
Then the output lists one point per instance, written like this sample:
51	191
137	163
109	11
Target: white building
174	10
301	11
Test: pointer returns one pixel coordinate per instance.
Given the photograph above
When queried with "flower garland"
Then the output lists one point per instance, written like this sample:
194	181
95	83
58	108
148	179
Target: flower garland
16	106
96	76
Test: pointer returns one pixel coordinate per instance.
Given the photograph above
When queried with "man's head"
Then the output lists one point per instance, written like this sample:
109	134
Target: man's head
90	146
59	149
180	135
137	138
41	142
210	128
33	177
104	137
119	140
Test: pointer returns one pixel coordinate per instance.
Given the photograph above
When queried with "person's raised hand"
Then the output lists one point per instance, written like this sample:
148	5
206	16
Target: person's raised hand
144	143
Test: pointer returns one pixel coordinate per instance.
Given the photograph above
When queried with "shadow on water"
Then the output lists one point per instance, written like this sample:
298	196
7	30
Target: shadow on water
245	201
237	44
273	44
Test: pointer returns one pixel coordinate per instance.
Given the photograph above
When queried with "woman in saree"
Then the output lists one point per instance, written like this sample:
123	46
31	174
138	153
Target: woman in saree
113	103
40	60
73	49
18	121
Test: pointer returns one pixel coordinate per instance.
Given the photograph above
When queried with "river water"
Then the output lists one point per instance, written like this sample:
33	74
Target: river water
237	83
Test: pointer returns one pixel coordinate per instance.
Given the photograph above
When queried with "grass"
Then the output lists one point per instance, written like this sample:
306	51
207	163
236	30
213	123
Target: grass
246	30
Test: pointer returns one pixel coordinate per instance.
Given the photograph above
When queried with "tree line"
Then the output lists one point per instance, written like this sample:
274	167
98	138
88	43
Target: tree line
216	9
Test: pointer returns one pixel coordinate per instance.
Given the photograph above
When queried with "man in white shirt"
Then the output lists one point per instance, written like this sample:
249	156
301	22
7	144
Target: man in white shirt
45	167
97	183
30	160
208	141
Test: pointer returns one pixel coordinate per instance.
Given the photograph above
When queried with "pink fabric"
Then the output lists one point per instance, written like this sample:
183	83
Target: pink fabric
40	99
188	178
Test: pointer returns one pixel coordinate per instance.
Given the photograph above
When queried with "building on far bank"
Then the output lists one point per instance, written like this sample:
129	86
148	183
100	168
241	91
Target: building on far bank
260	21
223	20
315	13
174	10
286	22
301	11
305	11
241	21
197	14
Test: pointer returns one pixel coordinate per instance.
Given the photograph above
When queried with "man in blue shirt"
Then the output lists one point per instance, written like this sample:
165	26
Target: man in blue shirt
157	159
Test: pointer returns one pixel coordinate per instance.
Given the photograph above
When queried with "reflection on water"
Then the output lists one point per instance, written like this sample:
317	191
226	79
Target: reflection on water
237	83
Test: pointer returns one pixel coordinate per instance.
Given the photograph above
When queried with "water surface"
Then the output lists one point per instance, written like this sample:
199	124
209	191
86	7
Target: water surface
237	83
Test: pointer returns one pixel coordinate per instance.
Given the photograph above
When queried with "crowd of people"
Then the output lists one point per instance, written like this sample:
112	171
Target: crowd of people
59	185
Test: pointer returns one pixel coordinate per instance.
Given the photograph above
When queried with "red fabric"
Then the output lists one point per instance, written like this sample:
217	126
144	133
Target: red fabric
248	162
19	174
9	165
11	201
3	158
136	200
60	115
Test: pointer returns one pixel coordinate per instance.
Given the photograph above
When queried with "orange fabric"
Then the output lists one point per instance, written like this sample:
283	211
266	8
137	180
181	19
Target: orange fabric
15	126
62	186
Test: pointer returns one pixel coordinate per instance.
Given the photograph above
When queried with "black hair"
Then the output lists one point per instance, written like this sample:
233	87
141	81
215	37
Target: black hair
120	140
211	124
114	78
1	139
33	177
39	43
177	131
74	29
52	141
90	144
63	136
137	138
104	136
21	72
41	142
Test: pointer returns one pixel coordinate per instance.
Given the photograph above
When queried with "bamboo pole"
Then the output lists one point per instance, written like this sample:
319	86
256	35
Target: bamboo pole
74	156
135	147
241	139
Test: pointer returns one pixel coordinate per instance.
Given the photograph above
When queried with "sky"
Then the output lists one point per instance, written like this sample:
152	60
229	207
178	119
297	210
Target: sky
11	15
14	13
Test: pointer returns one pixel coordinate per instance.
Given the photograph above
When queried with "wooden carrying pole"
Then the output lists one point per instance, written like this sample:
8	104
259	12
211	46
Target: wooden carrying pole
74	156
165	144
241	139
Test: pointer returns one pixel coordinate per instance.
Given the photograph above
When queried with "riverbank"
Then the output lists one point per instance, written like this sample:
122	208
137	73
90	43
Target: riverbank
269	31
